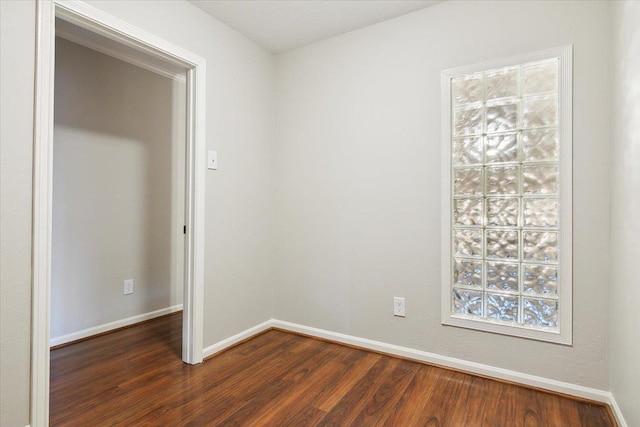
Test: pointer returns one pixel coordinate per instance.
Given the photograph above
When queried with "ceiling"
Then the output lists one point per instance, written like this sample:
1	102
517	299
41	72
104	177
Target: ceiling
281	25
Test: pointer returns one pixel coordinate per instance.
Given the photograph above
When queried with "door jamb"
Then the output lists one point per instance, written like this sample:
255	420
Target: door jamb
113	28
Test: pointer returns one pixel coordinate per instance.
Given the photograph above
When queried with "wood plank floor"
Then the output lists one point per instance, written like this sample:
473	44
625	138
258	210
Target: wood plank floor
135	377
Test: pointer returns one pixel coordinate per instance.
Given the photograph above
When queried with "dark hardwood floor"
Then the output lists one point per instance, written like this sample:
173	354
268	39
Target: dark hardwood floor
134	377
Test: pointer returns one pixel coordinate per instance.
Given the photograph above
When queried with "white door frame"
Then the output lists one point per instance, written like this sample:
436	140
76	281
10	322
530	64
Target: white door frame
93	19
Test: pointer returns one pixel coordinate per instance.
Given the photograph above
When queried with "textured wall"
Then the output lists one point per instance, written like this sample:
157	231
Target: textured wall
17	47
625	210
358	179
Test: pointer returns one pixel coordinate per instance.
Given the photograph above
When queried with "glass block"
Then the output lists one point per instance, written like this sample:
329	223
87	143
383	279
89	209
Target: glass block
502	212
467	211
468	243
467	151
467	89
540	111
502	307
539	179
467	302
540	145
467	273
540	279
540	312
502	276
467	182
502	148
467	121
502	244
502	116
542	212
540	77
502	83
540	246
502	180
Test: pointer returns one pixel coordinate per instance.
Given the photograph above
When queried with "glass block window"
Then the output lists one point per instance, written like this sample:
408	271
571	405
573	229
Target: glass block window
508	196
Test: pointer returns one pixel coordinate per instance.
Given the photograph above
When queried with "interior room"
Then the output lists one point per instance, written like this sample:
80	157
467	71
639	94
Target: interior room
338	176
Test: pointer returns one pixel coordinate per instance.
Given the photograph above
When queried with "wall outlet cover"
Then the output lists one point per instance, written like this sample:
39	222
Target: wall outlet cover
128	286
398	307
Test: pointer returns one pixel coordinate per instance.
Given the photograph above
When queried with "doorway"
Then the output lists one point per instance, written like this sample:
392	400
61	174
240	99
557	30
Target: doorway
118	191
123	37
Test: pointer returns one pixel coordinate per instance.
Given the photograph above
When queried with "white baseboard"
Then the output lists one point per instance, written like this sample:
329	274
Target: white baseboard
74	336
228	342
431	358
616	411
459	364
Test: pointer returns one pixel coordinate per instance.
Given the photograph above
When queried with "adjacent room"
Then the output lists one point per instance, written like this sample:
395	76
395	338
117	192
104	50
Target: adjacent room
118	193
312	212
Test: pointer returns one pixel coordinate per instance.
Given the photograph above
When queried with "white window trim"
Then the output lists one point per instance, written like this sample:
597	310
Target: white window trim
562	335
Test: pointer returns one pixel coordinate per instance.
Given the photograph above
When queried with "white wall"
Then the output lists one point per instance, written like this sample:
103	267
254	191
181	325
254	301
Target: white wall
118	203
625	210
239	207
358	179
17	47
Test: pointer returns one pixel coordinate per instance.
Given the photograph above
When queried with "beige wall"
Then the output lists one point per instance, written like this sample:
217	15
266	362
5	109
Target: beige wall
359	179
17	46
118	203
625	210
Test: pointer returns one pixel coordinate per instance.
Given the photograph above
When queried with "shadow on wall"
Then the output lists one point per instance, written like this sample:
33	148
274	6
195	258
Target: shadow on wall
118	190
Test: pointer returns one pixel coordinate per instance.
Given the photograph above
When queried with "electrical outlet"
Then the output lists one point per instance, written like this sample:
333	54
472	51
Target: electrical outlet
398	306
128	286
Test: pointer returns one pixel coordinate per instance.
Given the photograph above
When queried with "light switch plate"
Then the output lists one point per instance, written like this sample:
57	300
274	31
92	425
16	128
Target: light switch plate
212	160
